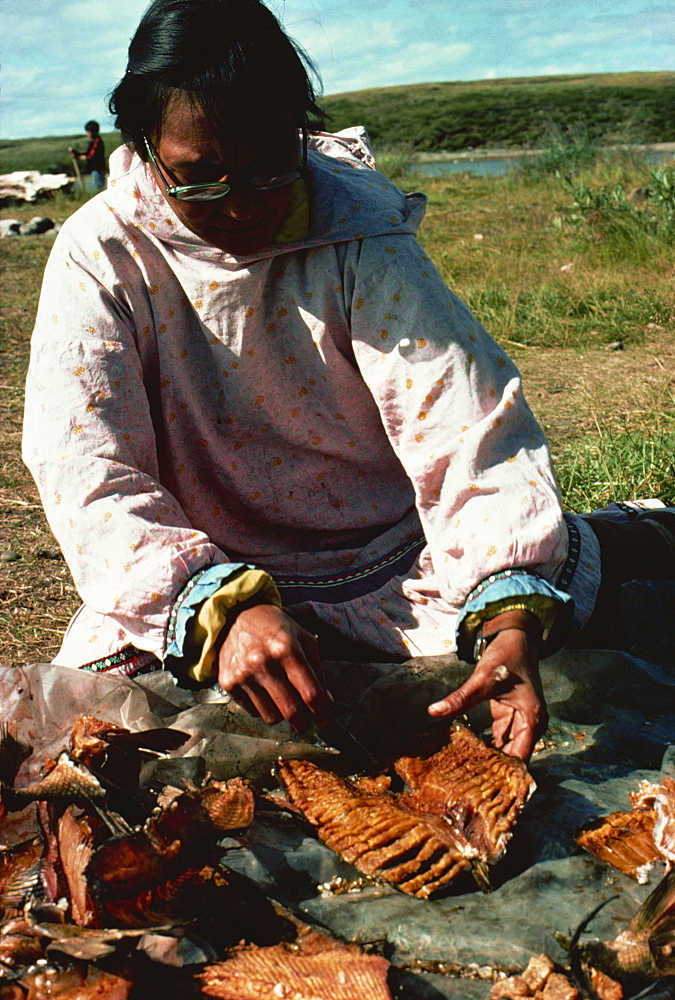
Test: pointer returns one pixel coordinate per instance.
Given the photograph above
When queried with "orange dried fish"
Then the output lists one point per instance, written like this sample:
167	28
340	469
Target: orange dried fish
76	846
460	810
335	972
67	782
418	854
224	907
183	834
624	840
479	789
229	804
93	740
72	984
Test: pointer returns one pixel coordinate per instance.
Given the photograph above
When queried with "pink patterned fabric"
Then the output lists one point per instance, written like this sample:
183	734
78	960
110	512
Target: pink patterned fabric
305	411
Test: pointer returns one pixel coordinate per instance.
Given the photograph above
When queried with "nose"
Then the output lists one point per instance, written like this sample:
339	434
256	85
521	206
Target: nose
239	205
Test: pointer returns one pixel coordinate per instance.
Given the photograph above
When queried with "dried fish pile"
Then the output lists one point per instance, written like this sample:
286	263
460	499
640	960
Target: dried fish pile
126	875
458	812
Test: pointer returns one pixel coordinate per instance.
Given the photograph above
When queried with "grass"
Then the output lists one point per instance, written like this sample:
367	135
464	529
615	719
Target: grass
554	291
612	465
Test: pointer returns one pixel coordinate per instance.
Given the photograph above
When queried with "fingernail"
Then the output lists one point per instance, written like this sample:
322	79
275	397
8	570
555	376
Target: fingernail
437	706
501	673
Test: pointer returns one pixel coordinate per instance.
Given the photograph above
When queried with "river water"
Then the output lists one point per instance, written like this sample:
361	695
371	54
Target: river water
488	166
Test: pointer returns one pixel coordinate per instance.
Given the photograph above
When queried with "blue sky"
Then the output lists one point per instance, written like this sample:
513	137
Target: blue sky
61	57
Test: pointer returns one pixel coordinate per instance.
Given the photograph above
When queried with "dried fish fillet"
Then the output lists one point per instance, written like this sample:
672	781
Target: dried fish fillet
479	789
181	835
624	840
76	846
418	854
74	984
633	841
337	973
223	906
93	740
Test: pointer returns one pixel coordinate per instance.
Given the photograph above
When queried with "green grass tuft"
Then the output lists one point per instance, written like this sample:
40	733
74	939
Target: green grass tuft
622	465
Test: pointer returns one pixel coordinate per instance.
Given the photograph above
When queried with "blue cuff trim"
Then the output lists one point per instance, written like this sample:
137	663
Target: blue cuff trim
192	596
509	583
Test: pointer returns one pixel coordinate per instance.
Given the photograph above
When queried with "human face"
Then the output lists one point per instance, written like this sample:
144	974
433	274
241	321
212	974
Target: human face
187	152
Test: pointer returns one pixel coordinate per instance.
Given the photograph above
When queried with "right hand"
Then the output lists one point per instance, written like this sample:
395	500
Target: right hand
271	667
507	675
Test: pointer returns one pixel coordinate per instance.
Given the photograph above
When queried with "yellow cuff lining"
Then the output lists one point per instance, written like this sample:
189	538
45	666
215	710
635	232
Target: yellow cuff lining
205	627
545	608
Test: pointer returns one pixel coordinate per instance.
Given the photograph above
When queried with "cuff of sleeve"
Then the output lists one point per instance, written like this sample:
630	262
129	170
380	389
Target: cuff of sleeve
514	590
200	613
204	629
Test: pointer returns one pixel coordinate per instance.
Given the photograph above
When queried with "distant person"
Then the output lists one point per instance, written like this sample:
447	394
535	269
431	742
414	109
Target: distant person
94	157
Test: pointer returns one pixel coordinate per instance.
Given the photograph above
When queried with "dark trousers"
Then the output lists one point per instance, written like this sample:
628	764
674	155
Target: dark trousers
641	549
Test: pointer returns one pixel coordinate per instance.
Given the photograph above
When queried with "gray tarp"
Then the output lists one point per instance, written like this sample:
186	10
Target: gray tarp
612	725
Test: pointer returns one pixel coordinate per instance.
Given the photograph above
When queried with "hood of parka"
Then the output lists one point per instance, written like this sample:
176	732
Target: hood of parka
348	200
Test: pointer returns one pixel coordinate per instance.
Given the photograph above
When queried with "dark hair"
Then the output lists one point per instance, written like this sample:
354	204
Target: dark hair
91	126
231	57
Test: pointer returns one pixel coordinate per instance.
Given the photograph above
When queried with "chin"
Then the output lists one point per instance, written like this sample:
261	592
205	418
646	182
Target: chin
240	245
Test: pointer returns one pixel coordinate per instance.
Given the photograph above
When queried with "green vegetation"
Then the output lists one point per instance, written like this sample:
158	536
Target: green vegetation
49	154
610	107
617	465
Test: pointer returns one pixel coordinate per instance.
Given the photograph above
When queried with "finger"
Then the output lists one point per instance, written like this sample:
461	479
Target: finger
501	725
310	647
315	699
243	700
521	743
264	702
308	679
478	688
278	692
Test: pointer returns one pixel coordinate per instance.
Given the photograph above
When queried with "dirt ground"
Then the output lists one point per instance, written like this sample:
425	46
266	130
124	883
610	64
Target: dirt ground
572	394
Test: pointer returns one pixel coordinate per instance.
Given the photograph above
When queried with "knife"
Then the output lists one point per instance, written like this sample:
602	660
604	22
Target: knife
354	753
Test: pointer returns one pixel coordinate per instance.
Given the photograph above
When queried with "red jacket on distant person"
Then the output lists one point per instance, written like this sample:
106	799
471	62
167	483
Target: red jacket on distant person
95	155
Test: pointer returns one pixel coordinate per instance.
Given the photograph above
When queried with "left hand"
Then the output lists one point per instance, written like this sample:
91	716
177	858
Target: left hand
507	675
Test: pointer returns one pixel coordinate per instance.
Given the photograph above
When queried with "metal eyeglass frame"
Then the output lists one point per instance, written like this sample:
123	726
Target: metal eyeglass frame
182	191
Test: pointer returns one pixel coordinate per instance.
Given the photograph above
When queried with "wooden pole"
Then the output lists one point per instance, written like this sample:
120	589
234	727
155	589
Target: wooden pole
76	165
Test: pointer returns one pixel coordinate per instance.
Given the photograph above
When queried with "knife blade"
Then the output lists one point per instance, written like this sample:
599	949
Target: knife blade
353	752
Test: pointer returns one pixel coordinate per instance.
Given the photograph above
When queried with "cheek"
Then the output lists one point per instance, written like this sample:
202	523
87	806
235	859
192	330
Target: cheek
193	215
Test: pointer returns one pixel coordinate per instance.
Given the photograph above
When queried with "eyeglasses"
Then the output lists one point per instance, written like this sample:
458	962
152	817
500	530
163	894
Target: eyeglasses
213	190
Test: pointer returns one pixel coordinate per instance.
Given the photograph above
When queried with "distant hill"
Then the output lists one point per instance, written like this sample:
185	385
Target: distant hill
609	107
48	154
518	112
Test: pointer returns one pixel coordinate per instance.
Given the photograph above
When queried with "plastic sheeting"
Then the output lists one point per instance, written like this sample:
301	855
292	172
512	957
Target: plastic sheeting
612	725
